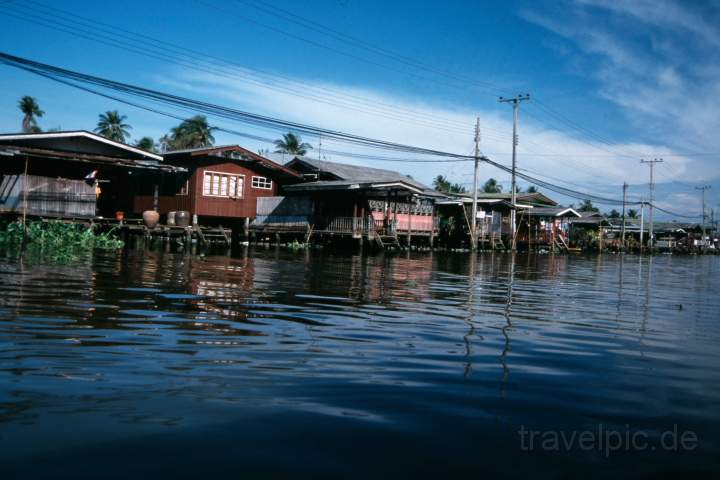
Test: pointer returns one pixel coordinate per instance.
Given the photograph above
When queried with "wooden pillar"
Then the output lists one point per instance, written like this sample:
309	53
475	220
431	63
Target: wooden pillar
432	226
362	221
395	211
409	228
156	197
354	224
25	191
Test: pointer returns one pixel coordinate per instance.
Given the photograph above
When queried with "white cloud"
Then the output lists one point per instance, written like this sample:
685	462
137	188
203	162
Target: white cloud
544	151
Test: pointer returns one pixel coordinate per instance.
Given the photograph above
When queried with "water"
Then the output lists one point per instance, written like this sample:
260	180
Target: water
273	364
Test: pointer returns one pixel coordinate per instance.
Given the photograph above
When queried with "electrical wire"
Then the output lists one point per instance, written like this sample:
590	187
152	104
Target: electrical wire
76	80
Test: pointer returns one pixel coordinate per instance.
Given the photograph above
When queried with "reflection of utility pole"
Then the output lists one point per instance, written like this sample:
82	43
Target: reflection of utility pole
473	233
516	105
652	163
622	237
704	216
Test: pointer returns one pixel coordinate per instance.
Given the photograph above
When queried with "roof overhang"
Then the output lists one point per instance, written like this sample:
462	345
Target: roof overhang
232	152
13	150
44	137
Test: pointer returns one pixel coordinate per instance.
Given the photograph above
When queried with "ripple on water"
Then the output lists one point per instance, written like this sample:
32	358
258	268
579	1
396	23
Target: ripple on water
403	344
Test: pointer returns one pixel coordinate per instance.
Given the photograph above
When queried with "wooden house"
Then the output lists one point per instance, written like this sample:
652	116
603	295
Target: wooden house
74	174
546	227
221	185
351	201
493	215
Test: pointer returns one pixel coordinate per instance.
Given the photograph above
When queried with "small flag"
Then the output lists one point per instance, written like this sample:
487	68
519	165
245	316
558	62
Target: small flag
91	177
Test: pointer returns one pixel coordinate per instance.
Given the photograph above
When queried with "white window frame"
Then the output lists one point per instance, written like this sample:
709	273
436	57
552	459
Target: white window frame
239	182
185	189
266	185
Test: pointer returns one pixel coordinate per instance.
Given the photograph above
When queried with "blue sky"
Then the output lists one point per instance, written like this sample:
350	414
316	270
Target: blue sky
611	82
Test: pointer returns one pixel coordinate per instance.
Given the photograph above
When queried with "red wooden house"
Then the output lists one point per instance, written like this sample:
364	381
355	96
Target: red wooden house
221	186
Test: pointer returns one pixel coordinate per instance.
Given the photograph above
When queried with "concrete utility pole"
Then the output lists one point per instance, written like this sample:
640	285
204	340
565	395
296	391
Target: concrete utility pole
642	223
515	101
651	240
622	235
473	234
704	216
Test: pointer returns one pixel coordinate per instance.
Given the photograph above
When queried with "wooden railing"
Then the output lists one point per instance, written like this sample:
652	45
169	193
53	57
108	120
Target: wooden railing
350	225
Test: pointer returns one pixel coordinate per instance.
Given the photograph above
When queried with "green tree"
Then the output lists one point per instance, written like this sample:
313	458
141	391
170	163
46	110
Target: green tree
442	184
292	144
587	206
31	112
492	186
110	125
632	213
532	189
147	144
193	132
614	214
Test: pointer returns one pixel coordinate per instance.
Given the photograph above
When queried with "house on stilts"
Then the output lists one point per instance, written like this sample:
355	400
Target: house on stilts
75	175
346	202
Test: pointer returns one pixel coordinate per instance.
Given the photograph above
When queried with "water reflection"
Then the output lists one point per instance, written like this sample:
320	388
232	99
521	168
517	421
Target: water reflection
158	341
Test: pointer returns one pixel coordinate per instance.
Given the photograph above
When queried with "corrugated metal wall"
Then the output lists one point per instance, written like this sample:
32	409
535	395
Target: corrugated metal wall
52	197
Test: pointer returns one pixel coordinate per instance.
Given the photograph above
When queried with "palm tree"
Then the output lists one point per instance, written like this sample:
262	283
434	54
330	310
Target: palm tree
492	186
147	144
632	213
292	144
31	111
110	125
441	184
193	132
587	206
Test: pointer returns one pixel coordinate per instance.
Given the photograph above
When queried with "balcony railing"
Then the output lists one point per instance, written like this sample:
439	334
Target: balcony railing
344	225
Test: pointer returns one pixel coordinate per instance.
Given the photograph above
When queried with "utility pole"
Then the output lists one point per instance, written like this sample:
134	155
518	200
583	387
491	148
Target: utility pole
473	234
652	199
515	101
704	216
642	223
622	236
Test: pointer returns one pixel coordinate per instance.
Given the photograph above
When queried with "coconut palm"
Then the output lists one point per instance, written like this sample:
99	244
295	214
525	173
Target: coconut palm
587	206
492	186
442	184
193	132
292	144
147	144
110	125
31	112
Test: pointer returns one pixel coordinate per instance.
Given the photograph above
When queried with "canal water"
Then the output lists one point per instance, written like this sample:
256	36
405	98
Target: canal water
277	364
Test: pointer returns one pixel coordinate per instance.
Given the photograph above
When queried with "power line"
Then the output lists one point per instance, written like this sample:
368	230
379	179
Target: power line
77	80
164	51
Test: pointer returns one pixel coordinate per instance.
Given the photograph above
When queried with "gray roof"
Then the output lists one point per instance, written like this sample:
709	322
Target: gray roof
78	141
357	174
535	198
553	212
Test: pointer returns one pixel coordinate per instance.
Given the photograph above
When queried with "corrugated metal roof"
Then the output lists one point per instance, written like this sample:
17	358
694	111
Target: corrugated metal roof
80	141
553	212
362	174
